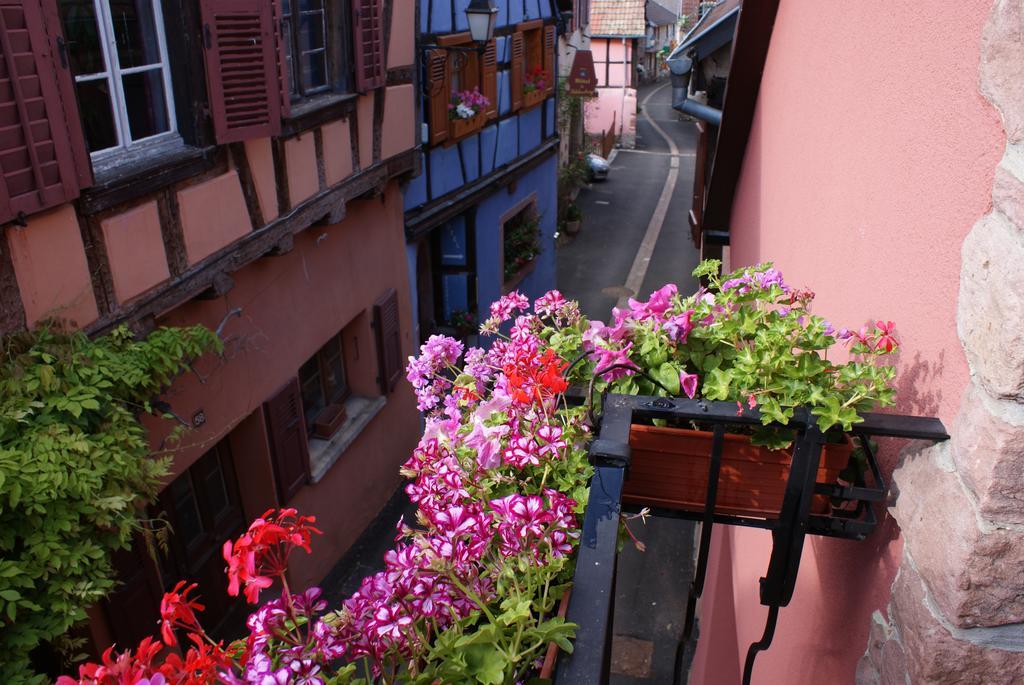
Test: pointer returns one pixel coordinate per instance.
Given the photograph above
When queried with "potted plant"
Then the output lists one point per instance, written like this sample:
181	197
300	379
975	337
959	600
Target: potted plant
463	322
521	245
749	338
466	112
573	219
535	84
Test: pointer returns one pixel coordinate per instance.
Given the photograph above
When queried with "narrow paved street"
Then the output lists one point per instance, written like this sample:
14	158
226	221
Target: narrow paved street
595	266
621	218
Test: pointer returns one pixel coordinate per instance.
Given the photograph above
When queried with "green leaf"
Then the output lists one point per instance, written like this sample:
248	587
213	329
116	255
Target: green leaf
485	663
717	384
668	375
515	609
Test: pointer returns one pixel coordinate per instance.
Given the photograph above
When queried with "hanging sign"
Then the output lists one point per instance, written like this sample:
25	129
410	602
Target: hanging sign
582	78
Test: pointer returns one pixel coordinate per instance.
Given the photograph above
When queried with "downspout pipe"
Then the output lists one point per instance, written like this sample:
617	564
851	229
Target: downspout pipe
681	69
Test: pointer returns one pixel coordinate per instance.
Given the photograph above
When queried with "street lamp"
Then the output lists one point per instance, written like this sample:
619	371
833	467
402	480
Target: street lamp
482	16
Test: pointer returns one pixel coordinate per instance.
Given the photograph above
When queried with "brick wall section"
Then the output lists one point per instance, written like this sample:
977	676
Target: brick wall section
957	608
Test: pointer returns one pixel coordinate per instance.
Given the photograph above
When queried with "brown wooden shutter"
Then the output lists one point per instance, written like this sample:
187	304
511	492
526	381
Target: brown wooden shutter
438	95
287	429
386	325
242	73
489	76
517	69
368	43
282	61
549	57
43	160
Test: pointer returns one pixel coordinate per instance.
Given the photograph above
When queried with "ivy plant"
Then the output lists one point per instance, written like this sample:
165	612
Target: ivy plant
75	471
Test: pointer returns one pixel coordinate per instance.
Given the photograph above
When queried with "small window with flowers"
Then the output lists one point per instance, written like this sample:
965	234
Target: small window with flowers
520	245
469	87
537	63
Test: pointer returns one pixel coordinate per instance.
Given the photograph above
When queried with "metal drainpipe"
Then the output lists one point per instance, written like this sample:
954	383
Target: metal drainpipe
681	70
625	82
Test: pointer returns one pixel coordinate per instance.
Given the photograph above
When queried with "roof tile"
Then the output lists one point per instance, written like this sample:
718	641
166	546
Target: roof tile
617	18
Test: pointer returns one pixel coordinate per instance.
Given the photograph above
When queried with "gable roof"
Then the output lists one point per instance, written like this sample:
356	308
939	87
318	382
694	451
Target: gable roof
617	19
659	15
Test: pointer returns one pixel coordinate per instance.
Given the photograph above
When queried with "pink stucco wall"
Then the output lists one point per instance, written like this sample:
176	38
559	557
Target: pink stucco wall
870	158
292	304
613	101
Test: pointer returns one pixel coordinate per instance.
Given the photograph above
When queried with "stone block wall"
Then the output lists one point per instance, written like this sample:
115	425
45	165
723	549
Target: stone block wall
957	609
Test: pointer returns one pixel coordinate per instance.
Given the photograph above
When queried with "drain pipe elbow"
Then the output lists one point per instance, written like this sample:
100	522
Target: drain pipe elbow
681	69
703	112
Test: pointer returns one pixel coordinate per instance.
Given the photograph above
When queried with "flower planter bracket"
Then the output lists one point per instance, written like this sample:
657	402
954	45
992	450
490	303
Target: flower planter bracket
592	603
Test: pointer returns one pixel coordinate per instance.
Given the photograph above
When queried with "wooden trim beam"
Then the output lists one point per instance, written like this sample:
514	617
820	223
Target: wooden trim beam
12	309
422	220
454	39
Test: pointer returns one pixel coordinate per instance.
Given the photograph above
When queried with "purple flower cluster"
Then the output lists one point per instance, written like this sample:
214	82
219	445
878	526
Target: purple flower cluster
612	346
504	308
278	653
553	305
426	372
756	280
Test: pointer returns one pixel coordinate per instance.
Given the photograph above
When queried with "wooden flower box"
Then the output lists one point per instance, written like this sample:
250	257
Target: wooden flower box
460	128
329	420
534	98
669	469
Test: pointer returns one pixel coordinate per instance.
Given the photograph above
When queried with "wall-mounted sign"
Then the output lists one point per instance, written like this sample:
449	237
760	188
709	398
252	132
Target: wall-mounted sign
583	78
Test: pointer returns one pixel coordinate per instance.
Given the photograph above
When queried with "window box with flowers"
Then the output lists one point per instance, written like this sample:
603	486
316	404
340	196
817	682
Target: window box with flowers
535	87
466	113
520	246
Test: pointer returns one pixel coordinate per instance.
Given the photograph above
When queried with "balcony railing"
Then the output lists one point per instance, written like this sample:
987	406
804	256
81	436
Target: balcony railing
592	603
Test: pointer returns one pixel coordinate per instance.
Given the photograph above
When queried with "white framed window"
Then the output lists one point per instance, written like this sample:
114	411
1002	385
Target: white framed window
117	51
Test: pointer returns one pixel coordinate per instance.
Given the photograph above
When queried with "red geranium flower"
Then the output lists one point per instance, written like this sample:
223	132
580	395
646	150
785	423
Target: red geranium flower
261	553
177	610
886	340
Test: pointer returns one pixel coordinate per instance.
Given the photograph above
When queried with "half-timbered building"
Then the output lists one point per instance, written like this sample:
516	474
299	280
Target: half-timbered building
235	163
480	218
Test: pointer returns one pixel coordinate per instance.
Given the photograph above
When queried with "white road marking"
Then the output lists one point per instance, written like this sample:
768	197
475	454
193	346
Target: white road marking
601	202
635	280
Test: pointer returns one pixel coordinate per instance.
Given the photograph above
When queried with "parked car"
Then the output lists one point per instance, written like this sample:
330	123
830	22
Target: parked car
598	167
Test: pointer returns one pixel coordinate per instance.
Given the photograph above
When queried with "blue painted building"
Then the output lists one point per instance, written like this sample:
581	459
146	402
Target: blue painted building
480	218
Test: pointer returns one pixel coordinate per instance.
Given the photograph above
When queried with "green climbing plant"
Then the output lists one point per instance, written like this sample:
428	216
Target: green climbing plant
75	471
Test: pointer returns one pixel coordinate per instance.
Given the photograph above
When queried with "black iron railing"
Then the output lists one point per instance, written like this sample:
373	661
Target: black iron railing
592	603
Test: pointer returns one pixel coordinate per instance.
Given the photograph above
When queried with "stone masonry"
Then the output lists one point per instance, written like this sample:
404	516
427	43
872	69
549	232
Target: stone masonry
956	613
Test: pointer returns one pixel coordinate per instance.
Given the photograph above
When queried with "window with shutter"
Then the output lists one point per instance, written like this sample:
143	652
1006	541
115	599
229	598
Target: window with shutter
489	76
368	43
386	325
43	161
287	429
243	76
549	57
438	94
518	70
117	53
283	60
